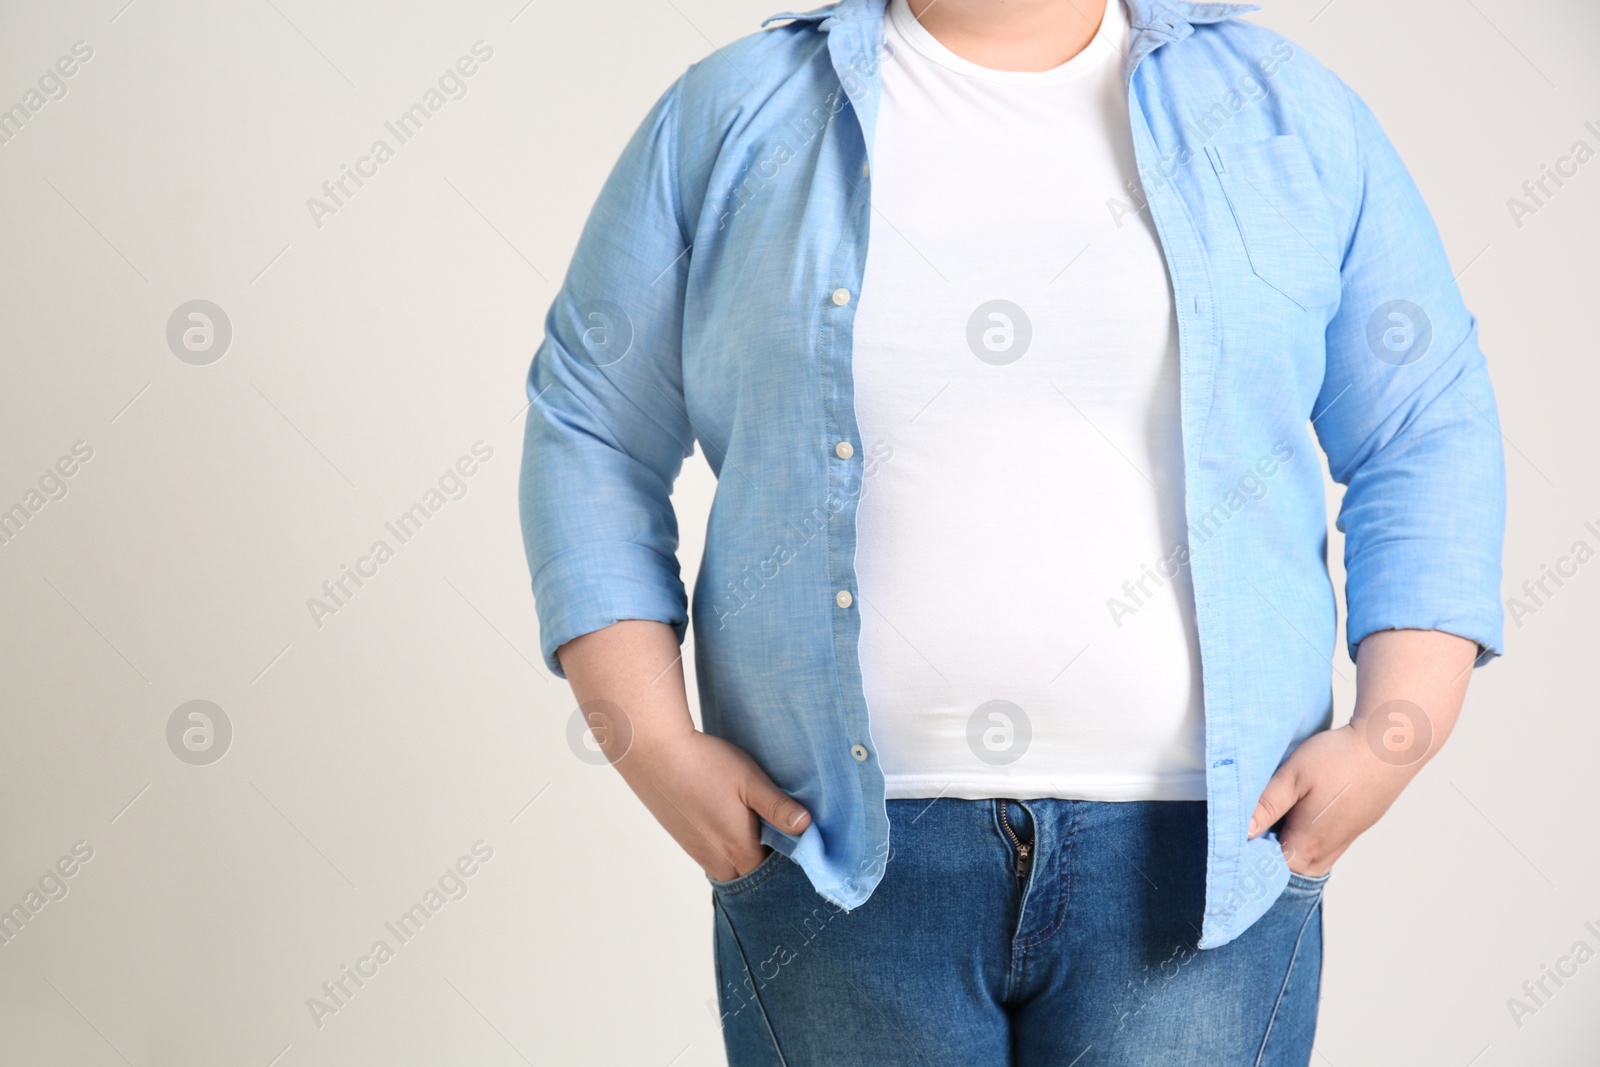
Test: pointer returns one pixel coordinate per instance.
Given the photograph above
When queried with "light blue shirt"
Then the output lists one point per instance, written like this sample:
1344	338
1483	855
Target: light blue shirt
711	300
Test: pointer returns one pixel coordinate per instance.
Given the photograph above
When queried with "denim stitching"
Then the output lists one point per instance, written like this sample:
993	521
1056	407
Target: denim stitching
1064	866
750	879
755	991
1294	958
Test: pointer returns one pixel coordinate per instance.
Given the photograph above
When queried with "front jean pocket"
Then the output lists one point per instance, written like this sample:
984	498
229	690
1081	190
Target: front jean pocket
1283	217
750	879
1307	883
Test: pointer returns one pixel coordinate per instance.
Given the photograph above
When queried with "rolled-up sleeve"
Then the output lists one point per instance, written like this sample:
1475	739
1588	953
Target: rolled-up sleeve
1407	417
607	430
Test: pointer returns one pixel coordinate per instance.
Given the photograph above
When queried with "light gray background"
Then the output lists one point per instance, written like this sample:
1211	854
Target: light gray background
368	354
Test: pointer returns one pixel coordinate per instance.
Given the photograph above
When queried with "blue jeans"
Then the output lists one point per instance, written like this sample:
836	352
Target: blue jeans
1042	932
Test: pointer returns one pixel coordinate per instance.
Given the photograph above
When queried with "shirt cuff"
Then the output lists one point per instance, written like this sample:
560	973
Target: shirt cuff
1412	585
586	589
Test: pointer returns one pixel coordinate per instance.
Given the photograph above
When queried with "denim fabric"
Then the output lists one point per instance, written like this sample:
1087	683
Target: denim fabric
710	302
1089	958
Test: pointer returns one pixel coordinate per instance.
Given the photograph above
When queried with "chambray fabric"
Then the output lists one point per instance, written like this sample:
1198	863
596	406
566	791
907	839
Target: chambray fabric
1313	296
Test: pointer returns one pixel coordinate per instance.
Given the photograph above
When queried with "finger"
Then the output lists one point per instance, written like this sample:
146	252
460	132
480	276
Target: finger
679	822
1280	795
1308	853
764	798
1302	854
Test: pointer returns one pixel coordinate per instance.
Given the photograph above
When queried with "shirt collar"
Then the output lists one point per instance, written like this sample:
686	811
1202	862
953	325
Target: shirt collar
855	36
1165	16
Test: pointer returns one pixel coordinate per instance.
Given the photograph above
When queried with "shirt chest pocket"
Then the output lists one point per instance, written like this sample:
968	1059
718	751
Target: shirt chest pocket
1282	216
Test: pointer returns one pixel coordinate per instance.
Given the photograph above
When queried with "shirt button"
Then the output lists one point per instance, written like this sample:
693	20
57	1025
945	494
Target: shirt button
844	450
841	297
859	752
866	170
843	598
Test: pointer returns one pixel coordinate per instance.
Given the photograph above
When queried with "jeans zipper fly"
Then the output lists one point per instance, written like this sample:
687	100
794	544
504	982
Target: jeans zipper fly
1024	849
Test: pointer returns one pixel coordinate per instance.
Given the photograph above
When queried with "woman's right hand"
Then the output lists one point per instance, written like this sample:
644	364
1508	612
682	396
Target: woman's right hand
711	797
708	793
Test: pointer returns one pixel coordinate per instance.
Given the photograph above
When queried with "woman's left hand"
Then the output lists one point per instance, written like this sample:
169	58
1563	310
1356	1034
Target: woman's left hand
1410	685
1332	788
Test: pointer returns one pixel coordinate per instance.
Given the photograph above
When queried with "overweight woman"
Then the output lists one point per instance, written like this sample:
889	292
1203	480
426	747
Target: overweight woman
1012	330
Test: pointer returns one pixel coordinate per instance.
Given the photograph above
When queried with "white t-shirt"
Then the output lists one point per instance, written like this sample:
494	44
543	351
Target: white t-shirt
1017	389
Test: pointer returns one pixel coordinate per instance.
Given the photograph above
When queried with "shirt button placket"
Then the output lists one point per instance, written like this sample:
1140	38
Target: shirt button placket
844	450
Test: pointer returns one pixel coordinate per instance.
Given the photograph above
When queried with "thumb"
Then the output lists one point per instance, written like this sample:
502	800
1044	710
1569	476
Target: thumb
764	798
1281	794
